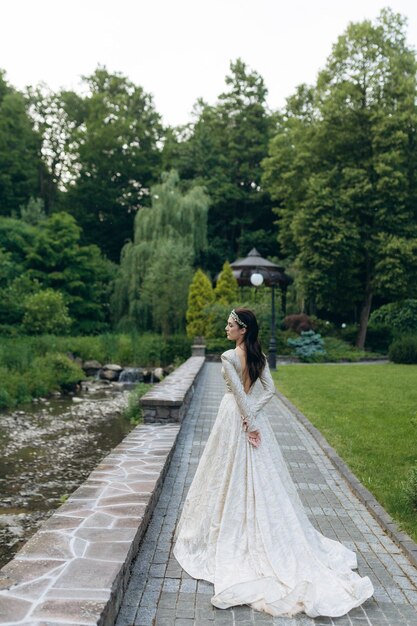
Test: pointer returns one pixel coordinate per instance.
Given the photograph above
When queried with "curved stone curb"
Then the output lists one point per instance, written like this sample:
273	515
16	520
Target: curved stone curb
403	540
75	569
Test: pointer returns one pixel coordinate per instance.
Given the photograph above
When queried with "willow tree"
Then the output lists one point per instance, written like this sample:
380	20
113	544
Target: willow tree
156	267
343	172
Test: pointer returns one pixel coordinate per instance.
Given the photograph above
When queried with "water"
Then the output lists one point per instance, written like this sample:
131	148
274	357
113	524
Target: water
46	451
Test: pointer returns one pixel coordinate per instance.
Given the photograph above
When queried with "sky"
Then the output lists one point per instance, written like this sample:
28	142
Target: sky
179	50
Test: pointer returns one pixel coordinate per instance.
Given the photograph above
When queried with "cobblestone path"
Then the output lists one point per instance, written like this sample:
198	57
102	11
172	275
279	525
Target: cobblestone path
161	594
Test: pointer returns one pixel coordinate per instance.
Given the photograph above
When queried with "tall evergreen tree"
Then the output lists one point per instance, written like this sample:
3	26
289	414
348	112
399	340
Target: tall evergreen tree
343	170
200	295
226	290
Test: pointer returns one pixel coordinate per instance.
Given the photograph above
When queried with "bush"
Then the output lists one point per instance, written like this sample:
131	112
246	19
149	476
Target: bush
46	312
324	327
133	411
410	487
378	337
338	350
54	371
308	346
404	350
299	322
400	316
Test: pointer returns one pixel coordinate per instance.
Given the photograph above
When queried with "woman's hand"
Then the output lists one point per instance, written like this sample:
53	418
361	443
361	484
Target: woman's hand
254	438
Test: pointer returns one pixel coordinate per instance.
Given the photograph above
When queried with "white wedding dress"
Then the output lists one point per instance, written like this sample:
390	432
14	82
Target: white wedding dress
243	526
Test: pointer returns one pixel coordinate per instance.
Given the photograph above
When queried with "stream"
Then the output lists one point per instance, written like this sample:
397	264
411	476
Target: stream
47	449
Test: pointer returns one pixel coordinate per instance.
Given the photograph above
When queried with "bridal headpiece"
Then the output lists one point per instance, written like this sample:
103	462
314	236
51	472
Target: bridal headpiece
237	319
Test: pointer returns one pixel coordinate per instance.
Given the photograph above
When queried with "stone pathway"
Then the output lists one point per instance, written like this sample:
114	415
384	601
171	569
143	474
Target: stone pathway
161	594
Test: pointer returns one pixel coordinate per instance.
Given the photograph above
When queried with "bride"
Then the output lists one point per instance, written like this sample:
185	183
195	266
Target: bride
243	526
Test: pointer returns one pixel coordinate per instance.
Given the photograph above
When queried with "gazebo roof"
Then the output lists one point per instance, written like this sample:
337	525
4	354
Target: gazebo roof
273	274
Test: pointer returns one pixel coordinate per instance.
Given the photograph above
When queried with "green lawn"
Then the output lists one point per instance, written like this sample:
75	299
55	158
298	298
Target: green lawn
368	413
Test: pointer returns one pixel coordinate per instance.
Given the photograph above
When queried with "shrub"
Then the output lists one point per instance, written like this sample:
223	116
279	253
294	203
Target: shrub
299	322
46	312
55	371
410	487
133	411
338	350
404	350
308	346
378	337
324	327
400	316
217	345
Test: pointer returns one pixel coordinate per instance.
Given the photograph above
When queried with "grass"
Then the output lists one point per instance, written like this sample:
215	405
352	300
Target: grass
368	413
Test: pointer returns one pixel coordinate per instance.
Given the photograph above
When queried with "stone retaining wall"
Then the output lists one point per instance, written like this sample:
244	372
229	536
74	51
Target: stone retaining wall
169	400
75	569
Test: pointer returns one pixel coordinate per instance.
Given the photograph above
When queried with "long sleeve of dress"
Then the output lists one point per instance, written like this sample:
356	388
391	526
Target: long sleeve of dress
234	384
268	384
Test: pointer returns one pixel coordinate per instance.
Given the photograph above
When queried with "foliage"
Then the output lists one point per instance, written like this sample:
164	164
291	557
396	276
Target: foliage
226	289
338	350
400	316
21	168
404	349
378	337
34	212
299	322
342	171
165	286
33	366
200	295
324	327
364	412
46	312
46	255
223	149
113	134
308	346
62	371
155	271
133	411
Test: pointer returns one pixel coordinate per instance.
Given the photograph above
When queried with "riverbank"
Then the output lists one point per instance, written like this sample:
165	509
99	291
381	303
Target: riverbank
32	367
47	450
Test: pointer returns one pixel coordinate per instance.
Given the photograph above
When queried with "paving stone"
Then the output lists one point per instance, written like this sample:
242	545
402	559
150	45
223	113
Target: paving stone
331	506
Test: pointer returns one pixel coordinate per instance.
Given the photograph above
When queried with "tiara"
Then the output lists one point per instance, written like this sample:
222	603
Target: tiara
237	319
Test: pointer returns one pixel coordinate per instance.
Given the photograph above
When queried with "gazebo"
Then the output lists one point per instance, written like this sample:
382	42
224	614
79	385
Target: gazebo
253	271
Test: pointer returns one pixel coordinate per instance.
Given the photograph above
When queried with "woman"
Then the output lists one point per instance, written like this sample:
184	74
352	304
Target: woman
243	526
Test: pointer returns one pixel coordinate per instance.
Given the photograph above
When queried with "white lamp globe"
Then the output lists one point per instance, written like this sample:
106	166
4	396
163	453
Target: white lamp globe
256	279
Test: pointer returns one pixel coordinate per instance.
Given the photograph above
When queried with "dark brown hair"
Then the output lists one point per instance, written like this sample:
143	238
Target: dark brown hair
255	358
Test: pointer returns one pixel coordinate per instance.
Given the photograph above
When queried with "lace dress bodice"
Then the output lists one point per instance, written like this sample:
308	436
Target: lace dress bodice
251	402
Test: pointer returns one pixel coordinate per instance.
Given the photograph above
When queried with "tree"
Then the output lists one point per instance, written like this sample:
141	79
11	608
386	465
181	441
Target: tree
46	255
200	295
223	149
226	290
165	286
115	134
80	273
20	163
343	171
174	225
57	117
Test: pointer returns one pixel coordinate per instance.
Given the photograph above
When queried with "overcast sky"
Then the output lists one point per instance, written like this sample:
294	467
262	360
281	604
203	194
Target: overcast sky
179	50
